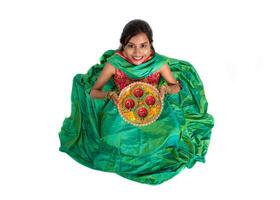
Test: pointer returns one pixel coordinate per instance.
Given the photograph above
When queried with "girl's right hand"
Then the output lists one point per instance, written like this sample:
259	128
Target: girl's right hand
112	95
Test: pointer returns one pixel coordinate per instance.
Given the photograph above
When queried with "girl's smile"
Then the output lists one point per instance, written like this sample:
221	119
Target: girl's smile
138	49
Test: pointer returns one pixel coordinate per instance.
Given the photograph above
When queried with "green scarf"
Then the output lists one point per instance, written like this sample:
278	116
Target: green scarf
138	71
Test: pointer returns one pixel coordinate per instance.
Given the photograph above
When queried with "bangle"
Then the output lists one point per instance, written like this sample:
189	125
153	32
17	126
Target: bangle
109	95
177	85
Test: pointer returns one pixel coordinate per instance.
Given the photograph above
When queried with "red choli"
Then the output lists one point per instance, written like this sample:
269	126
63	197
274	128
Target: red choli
122	80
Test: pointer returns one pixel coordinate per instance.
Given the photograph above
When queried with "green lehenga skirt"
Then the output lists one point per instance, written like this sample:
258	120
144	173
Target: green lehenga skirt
96	136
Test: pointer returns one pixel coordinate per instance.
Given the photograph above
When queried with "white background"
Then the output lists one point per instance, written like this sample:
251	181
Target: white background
234	45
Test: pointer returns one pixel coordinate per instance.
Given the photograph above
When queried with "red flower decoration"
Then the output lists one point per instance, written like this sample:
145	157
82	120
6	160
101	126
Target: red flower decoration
138	92
142	112
129	103
150	100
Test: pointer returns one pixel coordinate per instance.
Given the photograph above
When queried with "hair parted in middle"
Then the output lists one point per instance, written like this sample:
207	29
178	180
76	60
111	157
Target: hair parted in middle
133	28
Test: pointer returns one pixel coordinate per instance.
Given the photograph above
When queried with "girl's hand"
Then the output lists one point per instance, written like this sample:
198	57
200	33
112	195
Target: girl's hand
162	91
112	95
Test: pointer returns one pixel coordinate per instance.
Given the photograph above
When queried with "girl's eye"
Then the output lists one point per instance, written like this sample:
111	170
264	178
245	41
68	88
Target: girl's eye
130	46
143	45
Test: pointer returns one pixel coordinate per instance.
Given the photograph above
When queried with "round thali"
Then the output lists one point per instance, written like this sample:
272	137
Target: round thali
140	104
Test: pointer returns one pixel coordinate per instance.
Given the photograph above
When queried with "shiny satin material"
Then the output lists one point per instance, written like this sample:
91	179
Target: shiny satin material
96	136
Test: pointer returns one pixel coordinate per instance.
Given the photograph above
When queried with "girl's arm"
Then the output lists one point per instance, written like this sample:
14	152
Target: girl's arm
96	91
172	86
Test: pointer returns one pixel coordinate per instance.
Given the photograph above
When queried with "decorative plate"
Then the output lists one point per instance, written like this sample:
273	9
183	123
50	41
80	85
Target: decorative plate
140	104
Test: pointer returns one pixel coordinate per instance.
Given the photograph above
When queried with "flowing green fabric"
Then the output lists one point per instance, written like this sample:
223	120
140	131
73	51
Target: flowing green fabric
96	136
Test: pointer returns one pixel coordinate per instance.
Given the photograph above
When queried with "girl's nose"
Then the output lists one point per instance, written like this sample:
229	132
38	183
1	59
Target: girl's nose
137	51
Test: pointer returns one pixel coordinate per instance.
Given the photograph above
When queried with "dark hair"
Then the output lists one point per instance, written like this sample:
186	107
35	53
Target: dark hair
133	28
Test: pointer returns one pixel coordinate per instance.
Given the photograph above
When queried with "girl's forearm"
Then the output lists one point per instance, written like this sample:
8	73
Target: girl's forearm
98	94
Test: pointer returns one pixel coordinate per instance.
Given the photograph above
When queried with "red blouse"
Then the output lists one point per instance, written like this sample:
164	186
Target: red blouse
122	80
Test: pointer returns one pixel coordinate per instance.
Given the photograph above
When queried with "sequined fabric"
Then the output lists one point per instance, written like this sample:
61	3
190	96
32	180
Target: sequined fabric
122	80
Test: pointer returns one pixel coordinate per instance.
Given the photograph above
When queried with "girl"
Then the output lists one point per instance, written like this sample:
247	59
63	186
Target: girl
96	135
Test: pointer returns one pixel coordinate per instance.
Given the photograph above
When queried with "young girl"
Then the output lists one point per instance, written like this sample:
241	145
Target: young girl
96	135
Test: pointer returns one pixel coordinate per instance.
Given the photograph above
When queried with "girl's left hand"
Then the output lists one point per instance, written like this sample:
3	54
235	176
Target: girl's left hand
162	91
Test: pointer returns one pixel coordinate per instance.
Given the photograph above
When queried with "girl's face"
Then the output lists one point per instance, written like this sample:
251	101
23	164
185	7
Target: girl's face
138	49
